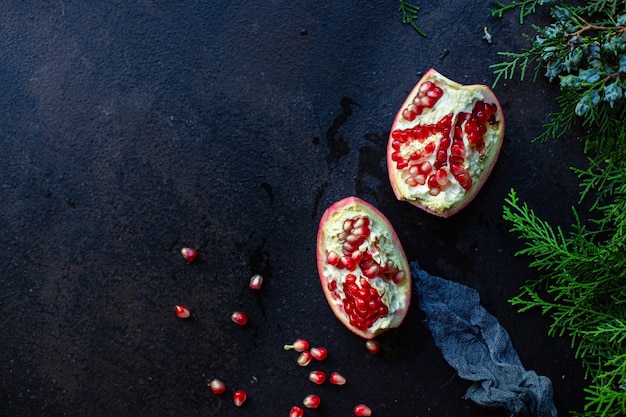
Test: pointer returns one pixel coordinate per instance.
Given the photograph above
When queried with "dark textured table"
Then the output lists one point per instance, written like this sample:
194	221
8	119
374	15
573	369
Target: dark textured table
133	128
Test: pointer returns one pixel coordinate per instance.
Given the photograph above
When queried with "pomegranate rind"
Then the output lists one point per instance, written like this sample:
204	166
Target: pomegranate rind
456	98
397	295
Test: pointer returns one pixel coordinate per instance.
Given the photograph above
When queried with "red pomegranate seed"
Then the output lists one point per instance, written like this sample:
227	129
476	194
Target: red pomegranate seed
373	346
239	317
305	358
317	377
296	411
300	345
319	353
332	258
217	386
182	312
337	379
361	410
189	254
311	401
256	282
239	397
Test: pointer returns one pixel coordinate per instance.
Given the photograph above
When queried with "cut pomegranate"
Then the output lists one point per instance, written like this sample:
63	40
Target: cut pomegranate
311	401
443	144
239	317
189	254
361	410
182	312
217	386
362	267
239	397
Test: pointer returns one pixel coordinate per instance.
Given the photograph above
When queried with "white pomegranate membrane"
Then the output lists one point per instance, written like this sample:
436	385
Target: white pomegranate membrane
443	143
363	269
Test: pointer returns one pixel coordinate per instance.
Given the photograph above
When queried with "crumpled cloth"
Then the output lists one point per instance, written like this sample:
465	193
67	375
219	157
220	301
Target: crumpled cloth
479	348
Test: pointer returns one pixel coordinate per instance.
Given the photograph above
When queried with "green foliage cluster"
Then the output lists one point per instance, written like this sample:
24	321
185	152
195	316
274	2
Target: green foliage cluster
583	272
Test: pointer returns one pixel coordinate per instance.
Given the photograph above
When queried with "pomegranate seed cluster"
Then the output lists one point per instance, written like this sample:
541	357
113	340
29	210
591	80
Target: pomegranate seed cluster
319	377
426	97
217	386
362	273
306	355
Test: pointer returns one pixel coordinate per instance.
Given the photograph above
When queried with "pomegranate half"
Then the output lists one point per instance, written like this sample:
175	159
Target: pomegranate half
443	144
362	267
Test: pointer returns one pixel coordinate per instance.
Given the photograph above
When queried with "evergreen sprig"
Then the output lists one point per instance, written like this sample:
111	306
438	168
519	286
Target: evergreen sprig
582	286
583	290
587	57
526	8
409	16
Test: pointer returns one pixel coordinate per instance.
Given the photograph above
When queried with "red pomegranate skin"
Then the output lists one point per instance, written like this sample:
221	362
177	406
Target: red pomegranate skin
362	267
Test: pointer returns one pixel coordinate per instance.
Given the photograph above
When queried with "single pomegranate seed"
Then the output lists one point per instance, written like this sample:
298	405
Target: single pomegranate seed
182	312
311	401
398	277
317	377
361	410
332	258
442	177
373	346
256	282
296	411
239	397
239	317
370	270
300	345
408	114
189	254
337	379
319	353
305	358
217	386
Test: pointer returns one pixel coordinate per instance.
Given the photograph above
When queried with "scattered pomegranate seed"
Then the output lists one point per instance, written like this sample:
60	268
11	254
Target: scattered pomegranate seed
296	411
373	346
337	379
256	282
217	386
318	377
182	312
239	317
361	410
300	345
305	358
239	397
311	401
319	353
189	254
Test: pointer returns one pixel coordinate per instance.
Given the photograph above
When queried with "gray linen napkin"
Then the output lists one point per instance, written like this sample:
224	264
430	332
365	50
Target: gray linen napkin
479	348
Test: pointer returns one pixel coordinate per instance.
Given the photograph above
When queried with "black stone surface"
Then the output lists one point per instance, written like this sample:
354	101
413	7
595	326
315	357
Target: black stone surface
133	128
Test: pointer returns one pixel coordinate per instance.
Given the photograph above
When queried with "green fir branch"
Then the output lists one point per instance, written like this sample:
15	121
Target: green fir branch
409	16
526	8
583	290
